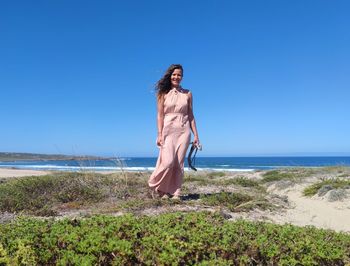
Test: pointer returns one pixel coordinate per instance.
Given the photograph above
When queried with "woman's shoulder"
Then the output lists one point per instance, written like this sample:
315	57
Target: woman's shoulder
185	91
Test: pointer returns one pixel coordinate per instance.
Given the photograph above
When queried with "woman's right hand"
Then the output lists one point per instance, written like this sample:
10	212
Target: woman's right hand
159	140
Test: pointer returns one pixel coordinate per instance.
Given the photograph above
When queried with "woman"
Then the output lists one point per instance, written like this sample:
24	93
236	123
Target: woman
175	120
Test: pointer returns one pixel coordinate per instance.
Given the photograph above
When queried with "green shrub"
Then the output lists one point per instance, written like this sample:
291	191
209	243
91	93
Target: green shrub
335	183
219	179
38	194
244	182
211	178
227	199
195	178
215	174
337	169
4	258
179	239
277	175
235	201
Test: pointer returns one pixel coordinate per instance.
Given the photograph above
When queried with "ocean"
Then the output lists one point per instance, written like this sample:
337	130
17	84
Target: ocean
202	163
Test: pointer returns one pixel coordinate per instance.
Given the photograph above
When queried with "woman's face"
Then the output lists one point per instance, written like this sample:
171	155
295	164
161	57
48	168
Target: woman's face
176	78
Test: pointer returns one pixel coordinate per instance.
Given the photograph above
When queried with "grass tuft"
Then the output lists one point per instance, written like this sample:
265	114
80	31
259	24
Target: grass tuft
220	179
244	182
336	169
235	202
40	194
215	174
335	183
277	175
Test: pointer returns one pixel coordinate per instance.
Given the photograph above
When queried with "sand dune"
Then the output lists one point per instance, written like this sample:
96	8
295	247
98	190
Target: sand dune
316	211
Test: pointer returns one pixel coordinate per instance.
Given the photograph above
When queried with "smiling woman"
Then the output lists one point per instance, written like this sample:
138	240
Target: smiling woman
175	121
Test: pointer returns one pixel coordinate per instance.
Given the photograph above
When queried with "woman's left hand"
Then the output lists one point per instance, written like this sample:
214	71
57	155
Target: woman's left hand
196	141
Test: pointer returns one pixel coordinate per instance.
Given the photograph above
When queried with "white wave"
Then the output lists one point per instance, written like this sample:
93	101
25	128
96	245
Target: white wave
110	168
224	169
78	168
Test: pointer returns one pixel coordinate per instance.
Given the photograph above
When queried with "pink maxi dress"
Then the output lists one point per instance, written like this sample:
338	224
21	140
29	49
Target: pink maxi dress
168	174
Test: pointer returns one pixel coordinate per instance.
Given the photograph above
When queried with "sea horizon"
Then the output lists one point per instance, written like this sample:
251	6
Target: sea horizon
202	163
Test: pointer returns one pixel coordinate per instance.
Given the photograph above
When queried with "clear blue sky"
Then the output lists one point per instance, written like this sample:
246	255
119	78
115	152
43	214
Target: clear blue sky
268	77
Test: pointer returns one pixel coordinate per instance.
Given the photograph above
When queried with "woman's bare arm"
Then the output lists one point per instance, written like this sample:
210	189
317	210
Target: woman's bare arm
193	120
160	120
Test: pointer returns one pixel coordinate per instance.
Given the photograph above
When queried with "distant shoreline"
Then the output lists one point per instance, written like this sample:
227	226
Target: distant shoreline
22	156
15	156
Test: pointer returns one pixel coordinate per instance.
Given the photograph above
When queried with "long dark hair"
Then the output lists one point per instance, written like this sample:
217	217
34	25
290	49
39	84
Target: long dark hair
163	86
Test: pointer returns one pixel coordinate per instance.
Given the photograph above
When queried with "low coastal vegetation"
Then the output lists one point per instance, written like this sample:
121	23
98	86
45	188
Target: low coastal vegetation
221	179
38	194
290	174
323	186
60	192
200	238
51	194
244	182
165	235
236	202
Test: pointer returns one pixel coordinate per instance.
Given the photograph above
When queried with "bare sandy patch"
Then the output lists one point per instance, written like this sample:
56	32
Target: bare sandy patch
8	173
316	211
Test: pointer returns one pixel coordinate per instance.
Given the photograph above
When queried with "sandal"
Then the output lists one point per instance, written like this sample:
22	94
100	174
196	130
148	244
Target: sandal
154	194
176	197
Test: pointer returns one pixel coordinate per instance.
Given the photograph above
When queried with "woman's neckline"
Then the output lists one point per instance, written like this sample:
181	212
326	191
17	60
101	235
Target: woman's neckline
178	89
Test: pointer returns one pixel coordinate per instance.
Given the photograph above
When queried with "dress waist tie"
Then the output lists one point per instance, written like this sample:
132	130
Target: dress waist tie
183	117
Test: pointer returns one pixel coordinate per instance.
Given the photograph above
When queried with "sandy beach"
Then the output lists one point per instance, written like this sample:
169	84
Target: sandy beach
8	173
298	210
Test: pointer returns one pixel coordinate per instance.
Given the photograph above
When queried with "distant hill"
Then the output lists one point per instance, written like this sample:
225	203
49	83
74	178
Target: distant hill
14	156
